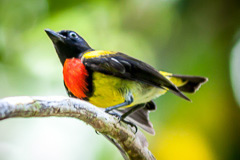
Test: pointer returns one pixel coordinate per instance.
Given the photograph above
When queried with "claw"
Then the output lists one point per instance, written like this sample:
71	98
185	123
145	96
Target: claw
131	124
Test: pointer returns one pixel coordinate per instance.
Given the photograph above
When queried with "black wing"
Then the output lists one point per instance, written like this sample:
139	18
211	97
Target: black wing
123	66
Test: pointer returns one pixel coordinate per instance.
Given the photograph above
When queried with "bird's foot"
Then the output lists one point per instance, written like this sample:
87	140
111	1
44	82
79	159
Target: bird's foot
131	124
115	115
120	118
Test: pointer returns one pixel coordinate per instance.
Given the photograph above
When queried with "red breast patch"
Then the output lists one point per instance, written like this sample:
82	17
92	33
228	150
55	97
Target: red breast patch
75	76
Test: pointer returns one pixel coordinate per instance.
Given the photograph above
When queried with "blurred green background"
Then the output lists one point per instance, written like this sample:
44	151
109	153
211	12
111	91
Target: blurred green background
195	37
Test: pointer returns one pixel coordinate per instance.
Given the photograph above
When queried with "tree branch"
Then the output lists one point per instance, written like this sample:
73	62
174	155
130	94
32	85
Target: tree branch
132	146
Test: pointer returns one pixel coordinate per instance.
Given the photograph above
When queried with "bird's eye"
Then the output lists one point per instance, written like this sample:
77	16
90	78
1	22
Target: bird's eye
73	35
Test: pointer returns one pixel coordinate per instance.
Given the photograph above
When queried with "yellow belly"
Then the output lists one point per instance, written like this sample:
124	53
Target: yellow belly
110	91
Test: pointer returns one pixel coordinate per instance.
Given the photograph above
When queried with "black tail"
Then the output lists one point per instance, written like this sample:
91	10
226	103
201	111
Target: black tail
191	83
141	117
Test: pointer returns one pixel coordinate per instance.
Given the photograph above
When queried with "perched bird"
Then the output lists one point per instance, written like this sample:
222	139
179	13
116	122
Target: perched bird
121	84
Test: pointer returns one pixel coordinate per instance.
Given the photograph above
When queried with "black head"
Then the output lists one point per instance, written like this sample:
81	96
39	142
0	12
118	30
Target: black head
68	44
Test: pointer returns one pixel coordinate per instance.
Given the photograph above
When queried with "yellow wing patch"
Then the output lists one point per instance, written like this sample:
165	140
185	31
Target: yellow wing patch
165	73
175	80
94	54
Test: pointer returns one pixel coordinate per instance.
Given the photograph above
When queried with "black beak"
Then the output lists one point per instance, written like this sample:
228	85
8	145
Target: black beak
54	36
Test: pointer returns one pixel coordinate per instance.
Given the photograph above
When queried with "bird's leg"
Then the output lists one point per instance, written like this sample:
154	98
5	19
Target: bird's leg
124	115
127	101
122	118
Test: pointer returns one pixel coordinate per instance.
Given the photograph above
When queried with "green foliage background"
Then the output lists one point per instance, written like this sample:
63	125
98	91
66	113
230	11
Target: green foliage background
193	37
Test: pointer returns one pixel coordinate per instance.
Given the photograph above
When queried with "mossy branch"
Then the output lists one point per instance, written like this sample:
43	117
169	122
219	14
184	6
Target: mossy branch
132	146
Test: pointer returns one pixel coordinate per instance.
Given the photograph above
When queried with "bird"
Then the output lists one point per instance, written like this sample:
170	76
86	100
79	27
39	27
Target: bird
124	86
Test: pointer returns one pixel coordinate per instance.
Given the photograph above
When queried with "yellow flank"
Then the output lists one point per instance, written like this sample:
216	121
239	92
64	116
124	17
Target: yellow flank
175	80
106	91
110	91
94	54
